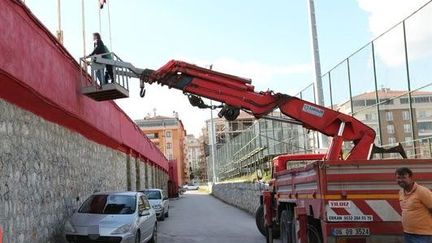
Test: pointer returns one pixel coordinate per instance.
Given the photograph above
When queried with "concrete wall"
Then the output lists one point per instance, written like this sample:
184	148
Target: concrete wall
46	171
242	195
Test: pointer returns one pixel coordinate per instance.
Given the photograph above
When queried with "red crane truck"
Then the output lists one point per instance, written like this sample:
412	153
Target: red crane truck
312	197
337	196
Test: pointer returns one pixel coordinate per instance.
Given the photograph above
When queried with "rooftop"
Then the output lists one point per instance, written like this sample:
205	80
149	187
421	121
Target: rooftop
388	93
158	121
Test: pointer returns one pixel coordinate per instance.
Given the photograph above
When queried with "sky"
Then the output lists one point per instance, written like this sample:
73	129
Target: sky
266	41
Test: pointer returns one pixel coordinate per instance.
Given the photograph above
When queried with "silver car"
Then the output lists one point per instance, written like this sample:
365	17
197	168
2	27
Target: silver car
113	217
159	202
191	186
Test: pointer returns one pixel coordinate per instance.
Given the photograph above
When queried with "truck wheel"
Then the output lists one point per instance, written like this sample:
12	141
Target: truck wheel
286	227
259	220
313	234
269	235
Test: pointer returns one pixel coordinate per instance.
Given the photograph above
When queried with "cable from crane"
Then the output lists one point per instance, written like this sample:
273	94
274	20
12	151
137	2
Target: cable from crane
109	25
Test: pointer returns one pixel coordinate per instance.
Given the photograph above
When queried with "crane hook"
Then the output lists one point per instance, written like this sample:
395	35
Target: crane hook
142	86
142	92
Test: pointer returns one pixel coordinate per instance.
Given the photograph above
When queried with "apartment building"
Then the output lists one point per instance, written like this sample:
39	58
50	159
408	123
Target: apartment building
169	135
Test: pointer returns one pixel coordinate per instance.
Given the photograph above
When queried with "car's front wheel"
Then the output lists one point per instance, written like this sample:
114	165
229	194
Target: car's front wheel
138	237
154	235
162	216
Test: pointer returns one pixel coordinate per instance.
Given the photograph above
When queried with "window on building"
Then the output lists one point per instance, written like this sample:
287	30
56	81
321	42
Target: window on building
370	117
405	115
422	114
404	100
370	102
421	99
407	128
247	124
169	146
152	135
386	101
389	116
168	134
391	140
390	129
170	156
426	99
357	103
234	125
408	141
424	126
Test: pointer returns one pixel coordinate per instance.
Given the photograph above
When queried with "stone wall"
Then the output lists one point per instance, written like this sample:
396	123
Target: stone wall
242	195
46	171
132	174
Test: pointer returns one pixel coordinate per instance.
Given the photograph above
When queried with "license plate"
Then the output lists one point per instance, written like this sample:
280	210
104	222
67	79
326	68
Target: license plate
350	231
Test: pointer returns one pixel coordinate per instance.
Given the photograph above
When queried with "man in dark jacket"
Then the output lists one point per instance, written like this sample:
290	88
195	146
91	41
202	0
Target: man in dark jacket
100	48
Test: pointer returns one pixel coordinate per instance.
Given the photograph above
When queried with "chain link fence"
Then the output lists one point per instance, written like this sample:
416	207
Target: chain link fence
386	84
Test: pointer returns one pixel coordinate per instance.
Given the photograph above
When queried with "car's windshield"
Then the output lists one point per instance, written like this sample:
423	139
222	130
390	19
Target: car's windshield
109	204
152	194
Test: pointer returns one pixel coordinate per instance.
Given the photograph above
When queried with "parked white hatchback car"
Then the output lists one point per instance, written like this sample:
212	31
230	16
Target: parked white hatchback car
113	217
159	201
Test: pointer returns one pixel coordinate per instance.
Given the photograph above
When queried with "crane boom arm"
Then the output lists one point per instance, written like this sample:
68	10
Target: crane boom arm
237	92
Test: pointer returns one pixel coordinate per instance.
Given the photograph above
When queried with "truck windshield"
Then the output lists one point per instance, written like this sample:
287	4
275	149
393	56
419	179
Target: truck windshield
109	204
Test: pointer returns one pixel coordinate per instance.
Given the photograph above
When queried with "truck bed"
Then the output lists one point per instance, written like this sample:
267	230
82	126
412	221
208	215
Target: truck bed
350	195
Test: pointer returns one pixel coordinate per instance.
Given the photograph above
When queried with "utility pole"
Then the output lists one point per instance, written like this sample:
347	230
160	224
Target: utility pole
59	31
319	94
83	27
213	138
315	53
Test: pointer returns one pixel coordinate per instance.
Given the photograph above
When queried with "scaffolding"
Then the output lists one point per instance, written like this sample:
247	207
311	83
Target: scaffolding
256	146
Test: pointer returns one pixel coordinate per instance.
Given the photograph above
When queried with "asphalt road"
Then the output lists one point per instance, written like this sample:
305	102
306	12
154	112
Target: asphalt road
198	217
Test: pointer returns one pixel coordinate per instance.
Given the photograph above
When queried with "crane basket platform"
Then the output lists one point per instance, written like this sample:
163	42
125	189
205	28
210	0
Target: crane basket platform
101	88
